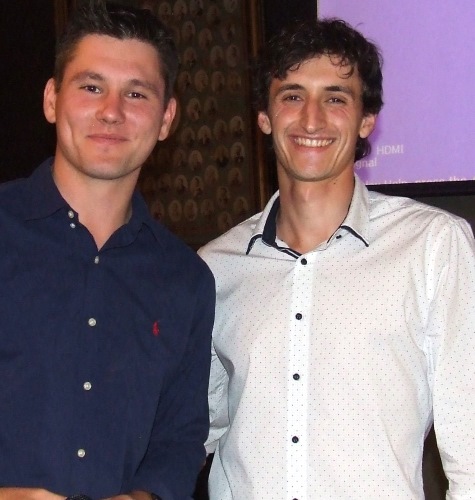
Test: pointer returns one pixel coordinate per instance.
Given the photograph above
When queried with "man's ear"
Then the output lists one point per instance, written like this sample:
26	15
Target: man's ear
368	123
167	120
49	101
264	122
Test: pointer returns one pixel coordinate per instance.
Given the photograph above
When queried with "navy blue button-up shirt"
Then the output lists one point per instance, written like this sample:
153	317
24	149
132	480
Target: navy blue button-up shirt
104	355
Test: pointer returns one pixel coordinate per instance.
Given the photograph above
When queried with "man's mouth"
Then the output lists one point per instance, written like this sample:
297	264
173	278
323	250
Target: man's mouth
313	143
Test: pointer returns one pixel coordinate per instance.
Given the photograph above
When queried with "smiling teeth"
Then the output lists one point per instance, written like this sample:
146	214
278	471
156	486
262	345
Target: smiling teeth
313	143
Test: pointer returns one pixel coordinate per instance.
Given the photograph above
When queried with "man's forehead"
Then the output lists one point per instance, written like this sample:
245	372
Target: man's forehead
337	66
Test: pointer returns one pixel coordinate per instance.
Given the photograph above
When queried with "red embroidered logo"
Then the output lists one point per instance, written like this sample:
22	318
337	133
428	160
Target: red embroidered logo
155	329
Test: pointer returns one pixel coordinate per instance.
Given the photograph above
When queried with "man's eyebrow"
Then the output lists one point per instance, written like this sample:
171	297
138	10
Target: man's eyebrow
289	86
341	88
329	88
136	82
87	75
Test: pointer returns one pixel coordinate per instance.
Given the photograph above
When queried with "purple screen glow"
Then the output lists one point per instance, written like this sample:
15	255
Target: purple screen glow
425	129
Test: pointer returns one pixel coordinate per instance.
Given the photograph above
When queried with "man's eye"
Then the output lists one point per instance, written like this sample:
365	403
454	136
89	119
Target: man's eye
136	95
91	88
336	100
291	97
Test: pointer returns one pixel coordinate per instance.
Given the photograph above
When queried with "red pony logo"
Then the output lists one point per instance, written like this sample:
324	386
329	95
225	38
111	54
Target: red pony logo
155	329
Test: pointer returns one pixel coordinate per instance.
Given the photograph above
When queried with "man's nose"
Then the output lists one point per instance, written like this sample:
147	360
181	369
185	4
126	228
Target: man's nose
111	109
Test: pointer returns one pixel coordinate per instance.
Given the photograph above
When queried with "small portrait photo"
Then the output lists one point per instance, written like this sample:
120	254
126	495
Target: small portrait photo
235	177
216	57
211	107
234	83
188	32
190	210
225	222
204	136
184	81
196	8
221	156
164	12
228	31
201	80
181	184
190	58
148	186
213	15
236	126
222	196
205	39
179	10
232	55
240	207
195	160
157	210
207	208
164	183
211	175
179	159
188	137
230	5
175	211
175	34
220	130
237	152
193	109
196	186
218	83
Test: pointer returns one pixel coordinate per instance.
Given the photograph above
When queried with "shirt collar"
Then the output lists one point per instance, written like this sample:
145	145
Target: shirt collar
43	199
356	221
42	196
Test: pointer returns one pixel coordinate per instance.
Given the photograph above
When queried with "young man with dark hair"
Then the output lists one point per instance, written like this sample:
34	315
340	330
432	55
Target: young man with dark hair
105	317
345	320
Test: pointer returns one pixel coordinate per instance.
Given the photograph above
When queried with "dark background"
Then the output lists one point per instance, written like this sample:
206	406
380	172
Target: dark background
27	38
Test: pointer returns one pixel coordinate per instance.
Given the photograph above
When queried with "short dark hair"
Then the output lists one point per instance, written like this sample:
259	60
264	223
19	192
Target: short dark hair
98	17
306	39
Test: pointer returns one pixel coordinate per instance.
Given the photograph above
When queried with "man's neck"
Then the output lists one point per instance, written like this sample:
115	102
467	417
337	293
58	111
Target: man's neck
311	212
103	205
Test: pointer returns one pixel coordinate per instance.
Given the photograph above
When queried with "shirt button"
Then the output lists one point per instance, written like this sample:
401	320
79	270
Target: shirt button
295	439
96	259
71	214
81	453
298	316
87	386
296	376
91	322
303	262
72	225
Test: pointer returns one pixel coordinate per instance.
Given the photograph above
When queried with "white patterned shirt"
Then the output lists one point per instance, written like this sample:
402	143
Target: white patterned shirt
329	367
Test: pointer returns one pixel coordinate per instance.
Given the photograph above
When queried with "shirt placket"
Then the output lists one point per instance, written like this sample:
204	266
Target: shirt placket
297	381
90	330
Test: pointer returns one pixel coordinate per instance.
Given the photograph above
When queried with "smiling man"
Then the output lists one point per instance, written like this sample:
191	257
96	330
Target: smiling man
345	319
105	317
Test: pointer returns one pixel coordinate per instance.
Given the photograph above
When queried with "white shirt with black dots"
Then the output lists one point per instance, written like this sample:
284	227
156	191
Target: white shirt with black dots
328	368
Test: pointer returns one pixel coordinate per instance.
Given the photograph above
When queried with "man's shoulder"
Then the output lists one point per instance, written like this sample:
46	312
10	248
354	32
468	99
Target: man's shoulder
23	195
11	188
13	194
235	240
176	251
408	209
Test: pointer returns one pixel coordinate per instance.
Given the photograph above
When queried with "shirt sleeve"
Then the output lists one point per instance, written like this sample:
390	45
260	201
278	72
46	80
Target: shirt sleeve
452	334
218	402
176	450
